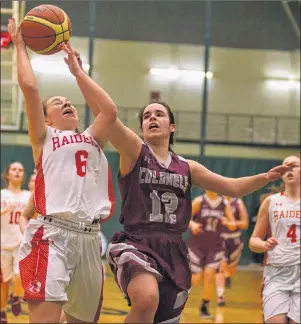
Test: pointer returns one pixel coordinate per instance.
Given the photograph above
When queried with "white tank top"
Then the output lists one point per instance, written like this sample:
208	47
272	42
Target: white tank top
284	218
10	230
73	178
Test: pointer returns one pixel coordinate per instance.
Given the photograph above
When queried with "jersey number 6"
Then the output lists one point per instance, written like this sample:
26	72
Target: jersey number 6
81	158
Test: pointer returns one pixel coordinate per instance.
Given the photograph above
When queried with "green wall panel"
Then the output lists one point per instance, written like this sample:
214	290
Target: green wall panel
230	167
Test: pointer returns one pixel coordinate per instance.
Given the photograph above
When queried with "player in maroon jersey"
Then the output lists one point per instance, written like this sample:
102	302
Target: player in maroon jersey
149	258
210	213
234	244
233	247
154	184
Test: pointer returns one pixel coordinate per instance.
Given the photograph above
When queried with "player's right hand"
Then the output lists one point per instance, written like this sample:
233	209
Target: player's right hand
270	243
15	32
196	228
73	60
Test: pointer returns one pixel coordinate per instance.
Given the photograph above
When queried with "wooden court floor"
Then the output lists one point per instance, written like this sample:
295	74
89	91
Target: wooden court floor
243	302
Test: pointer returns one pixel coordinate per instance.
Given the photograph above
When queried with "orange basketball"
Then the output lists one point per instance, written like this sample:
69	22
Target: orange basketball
44	28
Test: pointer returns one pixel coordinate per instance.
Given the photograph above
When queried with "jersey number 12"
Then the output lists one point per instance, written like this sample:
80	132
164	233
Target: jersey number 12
170	201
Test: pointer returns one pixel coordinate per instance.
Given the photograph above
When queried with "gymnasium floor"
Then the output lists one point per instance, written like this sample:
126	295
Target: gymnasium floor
243	302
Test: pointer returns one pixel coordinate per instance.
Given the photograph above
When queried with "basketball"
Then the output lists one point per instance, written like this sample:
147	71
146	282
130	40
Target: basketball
44	28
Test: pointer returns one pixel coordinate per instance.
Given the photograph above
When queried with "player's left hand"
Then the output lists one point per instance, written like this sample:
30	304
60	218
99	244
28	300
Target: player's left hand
230	225
277	172
15	32
73	60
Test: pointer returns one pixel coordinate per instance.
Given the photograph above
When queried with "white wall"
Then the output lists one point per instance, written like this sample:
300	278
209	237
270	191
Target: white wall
241	83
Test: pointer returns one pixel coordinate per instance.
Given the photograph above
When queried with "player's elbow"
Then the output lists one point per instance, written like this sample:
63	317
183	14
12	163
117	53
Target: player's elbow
244	226
28	86
251	244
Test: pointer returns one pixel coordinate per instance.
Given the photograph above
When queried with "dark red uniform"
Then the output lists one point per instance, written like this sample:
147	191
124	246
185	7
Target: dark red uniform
156	209
207	248
233	239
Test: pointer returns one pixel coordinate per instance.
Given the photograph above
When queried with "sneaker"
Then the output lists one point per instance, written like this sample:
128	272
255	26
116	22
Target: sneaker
204	313
3	319
16	306
221	301
228	282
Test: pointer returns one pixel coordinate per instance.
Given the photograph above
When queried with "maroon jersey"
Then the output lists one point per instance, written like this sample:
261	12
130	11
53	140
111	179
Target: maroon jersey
210	216
156	195
234	205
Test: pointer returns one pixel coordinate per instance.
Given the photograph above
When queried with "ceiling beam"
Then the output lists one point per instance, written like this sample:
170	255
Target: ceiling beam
291	18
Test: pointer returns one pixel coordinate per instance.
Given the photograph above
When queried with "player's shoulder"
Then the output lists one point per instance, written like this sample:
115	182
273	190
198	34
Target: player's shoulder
26	193
4	191
275	197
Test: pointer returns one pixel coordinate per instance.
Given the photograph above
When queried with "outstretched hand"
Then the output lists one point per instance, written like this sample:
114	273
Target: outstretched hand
73	60
15	32
277	172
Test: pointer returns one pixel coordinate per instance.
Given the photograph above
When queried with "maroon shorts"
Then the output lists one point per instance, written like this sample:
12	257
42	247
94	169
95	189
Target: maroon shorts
162	253
234	247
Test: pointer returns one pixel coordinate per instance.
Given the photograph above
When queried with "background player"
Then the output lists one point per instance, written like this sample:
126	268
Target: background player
279	214
31	182
155	191
60	253
233	247
210	213
13	202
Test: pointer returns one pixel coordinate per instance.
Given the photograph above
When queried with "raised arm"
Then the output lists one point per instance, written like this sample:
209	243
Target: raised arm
243	223
236	188
126	142
257	243
98	100
27	82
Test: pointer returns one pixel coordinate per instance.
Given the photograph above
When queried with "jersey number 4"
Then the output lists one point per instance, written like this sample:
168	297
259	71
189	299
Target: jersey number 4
292	233
81	158
170	201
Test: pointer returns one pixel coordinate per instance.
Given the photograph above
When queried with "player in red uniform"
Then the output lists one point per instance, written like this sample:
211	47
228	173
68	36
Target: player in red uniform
60	254
277	232
155	188
13	202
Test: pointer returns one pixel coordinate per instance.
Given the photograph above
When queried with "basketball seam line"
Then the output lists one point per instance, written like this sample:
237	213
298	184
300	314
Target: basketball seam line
65	16
54	35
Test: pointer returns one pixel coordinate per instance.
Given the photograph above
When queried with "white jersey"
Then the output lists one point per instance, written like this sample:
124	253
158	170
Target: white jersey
73	178
10	230
284	218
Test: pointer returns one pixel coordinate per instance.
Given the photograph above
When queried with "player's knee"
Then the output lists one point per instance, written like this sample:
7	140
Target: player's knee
143	292
196	278
147	301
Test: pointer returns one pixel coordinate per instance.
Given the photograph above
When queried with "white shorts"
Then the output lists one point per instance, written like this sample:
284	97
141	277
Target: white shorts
59	264
281	292
9	263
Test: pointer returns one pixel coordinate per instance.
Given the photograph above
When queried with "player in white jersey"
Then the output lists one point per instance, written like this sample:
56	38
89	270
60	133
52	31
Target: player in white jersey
13	202
60	255
279	217
31	182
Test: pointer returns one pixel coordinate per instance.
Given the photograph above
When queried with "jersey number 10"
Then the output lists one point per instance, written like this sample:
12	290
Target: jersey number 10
14	217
